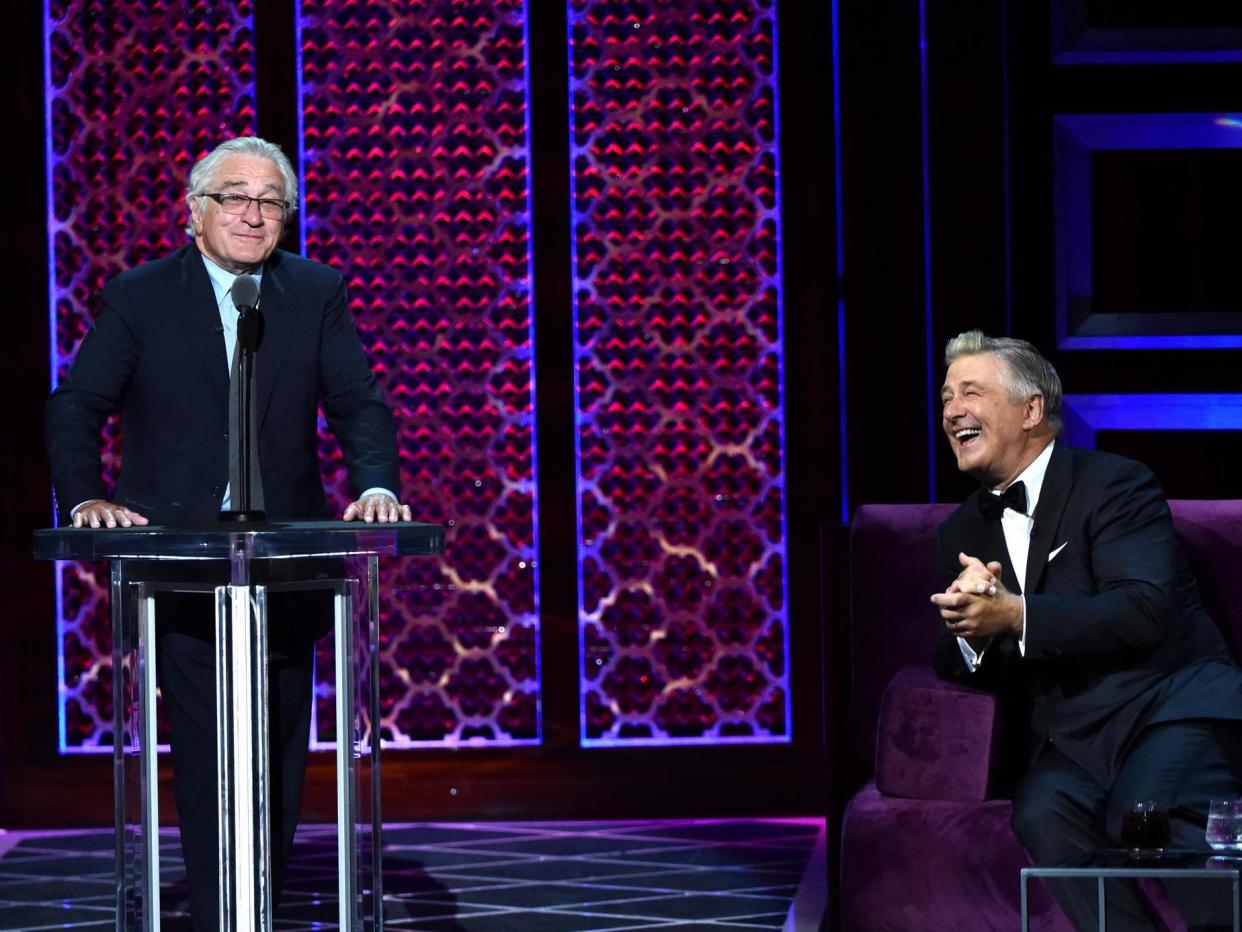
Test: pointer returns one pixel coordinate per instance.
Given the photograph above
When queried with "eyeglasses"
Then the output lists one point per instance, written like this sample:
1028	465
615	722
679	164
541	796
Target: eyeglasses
269	208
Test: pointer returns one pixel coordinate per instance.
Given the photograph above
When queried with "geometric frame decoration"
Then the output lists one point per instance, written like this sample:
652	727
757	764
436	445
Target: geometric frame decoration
1075	138
461	635
415	162
1086	414
134	95
1076	42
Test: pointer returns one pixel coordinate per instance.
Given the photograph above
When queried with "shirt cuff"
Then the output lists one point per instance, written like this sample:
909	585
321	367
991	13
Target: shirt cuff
1022	636
379	491
968	654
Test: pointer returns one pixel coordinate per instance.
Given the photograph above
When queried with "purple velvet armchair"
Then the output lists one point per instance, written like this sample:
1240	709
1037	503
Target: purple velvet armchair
926	843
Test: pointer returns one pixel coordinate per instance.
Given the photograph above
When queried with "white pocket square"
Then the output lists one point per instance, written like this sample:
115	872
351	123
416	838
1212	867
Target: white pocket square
1053	555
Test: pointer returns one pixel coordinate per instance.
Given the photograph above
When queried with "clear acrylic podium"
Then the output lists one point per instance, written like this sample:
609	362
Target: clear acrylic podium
221	560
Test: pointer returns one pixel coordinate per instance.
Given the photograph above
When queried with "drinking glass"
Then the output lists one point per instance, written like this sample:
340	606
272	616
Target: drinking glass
1145	827
1224	825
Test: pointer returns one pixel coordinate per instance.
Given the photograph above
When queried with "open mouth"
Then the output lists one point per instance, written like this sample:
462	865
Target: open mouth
967	436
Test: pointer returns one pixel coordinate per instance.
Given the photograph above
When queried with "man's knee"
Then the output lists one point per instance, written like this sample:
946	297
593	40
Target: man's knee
1031	806
1048	821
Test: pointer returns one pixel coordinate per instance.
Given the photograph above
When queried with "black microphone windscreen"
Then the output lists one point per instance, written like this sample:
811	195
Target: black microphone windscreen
245	292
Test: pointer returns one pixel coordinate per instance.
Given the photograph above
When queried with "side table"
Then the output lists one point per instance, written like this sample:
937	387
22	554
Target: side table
1105	865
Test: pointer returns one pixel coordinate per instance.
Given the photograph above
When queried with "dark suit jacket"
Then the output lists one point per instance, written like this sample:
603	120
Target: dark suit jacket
1117	638
156	353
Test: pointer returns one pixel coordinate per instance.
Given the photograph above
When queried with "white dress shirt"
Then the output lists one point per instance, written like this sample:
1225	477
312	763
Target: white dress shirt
1017	528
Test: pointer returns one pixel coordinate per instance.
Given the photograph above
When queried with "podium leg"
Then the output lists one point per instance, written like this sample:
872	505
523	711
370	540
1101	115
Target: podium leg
135	758
359	818
149	742
346	737
369	656
245	849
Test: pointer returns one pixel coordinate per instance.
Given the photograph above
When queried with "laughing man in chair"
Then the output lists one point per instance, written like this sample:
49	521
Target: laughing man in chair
1064	574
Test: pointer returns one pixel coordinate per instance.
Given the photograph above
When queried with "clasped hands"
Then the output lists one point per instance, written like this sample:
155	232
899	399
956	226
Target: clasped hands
977	606
370	508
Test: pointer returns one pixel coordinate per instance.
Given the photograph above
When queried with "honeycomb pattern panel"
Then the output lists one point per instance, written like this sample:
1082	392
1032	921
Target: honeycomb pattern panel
416	172
683	618
137	92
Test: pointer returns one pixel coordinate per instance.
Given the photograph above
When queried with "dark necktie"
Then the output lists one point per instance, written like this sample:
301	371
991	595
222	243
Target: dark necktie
993	506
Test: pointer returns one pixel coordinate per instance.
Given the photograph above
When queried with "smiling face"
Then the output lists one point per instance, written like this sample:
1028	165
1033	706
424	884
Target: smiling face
993	438
238	242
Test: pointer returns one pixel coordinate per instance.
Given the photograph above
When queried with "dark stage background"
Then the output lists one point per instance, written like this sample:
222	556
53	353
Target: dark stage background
649	395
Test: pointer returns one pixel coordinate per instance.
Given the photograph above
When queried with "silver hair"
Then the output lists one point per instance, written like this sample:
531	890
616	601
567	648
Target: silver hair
1024	372
204	170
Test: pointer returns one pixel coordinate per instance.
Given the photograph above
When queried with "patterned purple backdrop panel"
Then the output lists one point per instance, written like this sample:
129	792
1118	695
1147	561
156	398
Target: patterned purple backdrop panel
416	177
136	93
684	627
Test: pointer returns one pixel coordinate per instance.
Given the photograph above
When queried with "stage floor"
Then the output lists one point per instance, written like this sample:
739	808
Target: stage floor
477	877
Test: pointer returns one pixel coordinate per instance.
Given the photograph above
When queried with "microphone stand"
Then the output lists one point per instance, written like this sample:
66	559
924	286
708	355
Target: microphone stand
247	343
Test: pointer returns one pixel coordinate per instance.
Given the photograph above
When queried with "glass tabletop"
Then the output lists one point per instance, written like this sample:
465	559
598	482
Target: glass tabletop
1119	862
1174	858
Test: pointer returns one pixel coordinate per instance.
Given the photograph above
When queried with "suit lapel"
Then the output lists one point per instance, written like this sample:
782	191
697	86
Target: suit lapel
1053	496
280	315
202	319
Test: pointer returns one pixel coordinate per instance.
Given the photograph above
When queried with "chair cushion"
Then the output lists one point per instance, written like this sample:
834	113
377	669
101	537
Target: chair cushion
919	866
937	740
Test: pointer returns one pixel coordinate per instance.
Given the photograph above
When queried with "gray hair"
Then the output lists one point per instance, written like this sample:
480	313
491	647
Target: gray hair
1024	372
204	169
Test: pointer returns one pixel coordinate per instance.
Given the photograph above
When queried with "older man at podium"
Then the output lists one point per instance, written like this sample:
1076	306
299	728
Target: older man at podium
163	353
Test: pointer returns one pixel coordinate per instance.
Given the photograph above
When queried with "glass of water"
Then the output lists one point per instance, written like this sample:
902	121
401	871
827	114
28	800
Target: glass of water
1224	826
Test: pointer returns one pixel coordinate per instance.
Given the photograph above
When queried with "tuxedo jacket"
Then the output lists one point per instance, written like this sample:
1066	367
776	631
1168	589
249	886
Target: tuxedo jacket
156	354
1117	637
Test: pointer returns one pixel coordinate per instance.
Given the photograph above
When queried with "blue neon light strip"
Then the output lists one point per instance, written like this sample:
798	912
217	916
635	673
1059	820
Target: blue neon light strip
931	393
1179	341
839	189
534	434
1149	57
580	419
780	360
1005	166
60	567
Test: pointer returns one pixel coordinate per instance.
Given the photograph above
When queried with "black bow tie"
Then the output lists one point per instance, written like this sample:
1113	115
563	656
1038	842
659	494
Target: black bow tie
993	506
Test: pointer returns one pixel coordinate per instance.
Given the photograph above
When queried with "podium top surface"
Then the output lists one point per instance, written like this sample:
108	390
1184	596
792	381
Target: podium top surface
274	540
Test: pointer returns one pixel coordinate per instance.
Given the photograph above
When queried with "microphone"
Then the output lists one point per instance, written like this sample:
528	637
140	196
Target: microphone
245	293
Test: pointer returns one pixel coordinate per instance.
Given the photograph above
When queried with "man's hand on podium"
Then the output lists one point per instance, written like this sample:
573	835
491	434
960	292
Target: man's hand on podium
99	513
381	508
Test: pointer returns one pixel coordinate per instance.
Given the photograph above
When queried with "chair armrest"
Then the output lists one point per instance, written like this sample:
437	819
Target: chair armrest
935	740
